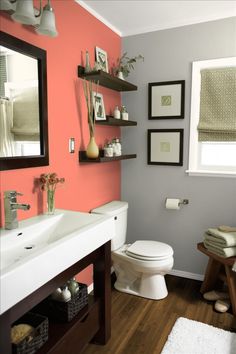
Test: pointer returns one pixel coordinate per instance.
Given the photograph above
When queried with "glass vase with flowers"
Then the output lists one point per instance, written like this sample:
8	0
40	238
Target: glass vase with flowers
49	183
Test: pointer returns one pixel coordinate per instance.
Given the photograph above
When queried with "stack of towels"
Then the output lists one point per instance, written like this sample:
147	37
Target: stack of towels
221	241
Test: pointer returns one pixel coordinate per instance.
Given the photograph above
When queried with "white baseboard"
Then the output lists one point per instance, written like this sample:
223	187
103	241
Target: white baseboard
188	275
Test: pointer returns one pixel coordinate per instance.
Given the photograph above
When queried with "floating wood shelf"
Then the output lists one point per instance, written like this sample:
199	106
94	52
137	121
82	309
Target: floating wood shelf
84	159
116	122
106	80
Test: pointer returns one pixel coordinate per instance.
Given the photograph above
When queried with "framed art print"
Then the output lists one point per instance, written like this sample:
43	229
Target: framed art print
101	59
166	100
165	147
98	105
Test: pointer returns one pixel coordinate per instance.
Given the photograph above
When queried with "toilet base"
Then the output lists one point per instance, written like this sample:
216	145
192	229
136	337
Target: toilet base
147	286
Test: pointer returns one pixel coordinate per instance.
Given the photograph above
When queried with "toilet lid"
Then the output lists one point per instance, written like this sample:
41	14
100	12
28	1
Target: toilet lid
149	250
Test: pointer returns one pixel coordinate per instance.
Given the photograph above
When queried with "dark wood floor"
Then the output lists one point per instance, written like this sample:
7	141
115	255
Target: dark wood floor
141	326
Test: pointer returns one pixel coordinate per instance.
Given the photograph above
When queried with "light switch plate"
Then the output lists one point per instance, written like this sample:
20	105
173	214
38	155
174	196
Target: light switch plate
72	145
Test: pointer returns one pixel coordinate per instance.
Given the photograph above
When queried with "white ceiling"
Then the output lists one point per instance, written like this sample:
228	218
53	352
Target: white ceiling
133	17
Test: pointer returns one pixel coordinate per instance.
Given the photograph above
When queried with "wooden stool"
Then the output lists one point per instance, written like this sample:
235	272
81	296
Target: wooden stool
219	268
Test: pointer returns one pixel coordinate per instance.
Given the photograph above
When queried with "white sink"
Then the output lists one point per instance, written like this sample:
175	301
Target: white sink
44	246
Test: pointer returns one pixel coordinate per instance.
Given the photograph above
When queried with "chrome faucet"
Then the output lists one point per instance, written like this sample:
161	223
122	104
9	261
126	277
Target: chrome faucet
10	208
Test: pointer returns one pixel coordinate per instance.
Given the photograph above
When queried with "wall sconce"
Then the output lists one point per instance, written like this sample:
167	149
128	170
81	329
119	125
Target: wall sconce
23	11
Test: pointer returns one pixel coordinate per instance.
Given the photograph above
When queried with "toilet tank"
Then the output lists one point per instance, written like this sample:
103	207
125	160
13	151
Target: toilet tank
118	210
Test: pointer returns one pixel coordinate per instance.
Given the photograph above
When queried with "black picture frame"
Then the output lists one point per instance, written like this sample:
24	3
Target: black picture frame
162	145
166	100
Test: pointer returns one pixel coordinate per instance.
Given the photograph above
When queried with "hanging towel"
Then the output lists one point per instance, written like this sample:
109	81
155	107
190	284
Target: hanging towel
225	239
220	251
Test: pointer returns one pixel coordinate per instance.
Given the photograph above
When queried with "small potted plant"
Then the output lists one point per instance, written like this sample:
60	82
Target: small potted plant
124	65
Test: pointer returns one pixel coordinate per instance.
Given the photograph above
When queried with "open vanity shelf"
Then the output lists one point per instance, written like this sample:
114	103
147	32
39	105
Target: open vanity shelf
84	326
93	322
106	80
84	159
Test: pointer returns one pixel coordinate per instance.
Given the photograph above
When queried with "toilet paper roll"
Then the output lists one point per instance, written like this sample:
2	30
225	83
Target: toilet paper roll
172	203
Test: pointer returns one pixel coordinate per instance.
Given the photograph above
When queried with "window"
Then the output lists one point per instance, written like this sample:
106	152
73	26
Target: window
209	158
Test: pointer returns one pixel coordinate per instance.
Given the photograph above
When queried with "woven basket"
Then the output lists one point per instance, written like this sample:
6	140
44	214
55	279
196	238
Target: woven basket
65	311
40	334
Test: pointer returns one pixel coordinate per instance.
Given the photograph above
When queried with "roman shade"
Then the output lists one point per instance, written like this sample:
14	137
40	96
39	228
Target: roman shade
217	121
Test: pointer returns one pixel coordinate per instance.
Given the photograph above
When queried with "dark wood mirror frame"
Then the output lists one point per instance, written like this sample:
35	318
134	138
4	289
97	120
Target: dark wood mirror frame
10	163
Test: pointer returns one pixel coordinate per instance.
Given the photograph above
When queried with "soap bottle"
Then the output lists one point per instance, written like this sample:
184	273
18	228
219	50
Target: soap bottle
113	144
116	113
65	294
56	295
73	286
118	147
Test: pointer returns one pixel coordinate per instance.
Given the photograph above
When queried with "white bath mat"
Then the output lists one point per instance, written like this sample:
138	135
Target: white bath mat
192	337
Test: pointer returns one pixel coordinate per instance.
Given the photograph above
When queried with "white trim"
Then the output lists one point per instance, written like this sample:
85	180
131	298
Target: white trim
90	288
206	173
197	66
188	275
99	17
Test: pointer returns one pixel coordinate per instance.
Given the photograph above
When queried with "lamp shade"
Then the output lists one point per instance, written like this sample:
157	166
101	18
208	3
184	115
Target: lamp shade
47	24
25	12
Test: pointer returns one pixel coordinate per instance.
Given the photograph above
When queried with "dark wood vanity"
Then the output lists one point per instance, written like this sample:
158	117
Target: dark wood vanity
93	322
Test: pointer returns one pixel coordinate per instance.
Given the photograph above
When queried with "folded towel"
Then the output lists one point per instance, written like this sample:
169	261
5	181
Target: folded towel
222	252
226	239
226	228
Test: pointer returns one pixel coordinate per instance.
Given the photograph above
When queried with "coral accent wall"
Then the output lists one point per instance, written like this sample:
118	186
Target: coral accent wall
86	186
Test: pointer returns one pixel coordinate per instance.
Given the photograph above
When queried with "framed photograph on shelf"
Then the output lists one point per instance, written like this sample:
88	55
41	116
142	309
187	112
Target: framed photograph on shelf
165	147
101	59
166	100
98	105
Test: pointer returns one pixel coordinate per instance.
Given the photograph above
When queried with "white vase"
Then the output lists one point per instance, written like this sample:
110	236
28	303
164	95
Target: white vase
120	75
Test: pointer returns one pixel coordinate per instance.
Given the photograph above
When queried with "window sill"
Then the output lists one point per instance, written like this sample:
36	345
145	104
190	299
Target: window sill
206	173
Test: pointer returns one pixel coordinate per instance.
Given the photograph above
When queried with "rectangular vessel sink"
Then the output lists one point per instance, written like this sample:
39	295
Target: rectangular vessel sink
44	246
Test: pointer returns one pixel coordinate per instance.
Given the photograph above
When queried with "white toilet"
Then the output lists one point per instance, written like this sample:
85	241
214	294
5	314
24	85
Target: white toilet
140	267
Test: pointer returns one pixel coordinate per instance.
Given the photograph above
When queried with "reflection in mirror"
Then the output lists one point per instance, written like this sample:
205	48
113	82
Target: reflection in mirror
19	133
23	104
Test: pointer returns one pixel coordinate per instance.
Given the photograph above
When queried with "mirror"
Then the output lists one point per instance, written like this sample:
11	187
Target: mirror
23	104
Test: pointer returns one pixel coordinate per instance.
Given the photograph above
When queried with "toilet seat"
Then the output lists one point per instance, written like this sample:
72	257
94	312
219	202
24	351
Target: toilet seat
149	250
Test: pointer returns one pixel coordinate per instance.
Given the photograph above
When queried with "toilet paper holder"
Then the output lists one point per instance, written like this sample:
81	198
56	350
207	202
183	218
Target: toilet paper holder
184	201
180	201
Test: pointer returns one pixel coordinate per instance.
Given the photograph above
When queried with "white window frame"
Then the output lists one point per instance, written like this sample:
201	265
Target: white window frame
197	66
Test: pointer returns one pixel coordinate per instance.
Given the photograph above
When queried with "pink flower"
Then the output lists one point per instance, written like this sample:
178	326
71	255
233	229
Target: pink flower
50	180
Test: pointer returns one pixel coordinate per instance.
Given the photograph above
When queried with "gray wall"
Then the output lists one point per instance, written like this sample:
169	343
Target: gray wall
168	56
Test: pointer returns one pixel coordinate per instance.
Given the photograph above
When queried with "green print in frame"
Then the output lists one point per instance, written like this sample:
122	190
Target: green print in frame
166	100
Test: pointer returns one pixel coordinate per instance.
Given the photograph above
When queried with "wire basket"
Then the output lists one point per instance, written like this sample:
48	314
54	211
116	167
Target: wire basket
31	343
66	311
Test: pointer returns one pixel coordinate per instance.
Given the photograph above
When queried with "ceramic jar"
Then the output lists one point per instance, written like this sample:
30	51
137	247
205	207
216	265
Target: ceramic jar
124	113
108	150
116	113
